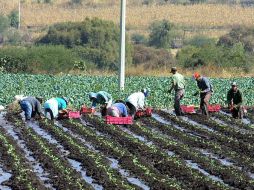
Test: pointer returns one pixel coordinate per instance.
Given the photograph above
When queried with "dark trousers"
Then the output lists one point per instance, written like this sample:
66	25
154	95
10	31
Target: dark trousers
179	94
27	108
132	109
204	102
237	112
50	112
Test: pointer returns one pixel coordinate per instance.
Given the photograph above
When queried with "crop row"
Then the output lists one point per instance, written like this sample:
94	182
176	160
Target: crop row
230	175
234	138
167	165
22	175
200	142
62	175
96	164
133	163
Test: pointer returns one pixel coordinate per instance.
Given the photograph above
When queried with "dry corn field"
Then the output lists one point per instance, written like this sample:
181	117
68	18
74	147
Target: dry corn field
213	20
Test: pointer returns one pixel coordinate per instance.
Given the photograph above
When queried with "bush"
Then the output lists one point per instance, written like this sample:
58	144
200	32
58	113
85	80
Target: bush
200	41
41	59
162	34
239	34
99	39
12	65
151	57
44	1
76	1
14	37
4	23
192	57
138	39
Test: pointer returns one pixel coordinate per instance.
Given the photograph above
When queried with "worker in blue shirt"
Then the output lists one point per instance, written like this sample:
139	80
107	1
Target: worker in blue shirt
205	92
54	105
117	110
31	106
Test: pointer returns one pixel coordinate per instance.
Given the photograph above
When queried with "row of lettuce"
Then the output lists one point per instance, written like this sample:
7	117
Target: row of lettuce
78	87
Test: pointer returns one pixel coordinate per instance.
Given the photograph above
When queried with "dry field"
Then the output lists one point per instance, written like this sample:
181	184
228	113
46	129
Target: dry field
212	20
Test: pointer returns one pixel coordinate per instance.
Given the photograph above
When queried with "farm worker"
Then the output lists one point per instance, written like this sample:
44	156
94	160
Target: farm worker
235	100
205	92
178	84
54	105
101	97
19	97
117	110
31	106
137	101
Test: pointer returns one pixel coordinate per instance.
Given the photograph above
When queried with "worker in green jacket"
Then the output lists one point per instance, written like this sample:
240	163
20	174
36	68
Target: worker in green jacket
178	84
235	100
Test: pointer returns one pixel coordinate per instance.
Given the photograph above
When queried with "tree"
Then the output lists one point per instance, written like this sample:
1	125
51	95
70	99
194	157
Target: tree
14	19
162	34
95	40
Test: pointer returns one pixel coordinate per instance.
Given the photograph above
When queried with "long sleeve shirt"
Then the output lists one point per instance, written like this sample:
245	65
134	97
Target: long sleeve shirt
235	97
102	97
137	99
61	103
178	81
36	105
122	109
204	85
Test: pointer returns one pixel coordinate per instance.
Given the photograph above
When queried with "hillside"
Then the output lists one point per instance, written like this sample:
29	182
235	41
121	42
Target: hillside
208	19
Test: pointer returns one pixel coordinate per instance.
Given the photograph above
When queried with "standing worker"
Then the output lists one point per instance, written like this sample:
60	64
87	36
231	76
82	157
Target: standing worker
178	84
205	92
31	106
235	100
54	105
136	101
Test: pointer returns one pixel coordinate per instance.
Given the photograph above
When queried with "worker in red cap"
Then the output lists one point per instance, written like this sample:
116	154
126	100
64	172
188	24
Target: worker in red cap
178	84
235	100
205	92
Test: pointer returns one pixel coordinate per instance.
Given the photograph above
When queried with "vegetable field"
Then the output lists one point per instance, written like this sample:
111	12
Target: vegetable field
78	87
160	152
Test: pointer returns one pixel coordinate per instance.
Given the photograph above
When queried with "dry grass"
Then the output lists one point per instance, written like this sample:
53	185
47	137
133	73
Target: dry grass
209	71
203	16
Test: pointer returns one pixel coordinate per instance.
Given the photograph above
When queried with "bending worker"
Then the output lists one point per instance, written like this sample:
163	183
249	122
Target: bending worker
117	110
136	101
235	100
205	92
54	105
178	84
31	106
101	97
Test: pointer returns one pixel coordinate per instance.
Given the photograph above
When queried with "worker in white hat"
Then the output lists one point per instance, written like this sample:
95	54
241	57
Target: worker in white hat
235	100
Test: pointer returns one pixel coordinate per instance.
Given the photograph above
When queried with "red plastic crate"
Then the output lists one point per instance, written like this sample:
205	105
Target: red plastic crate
144	113
86	110
73	114
214	108
188	109
149	112
119	120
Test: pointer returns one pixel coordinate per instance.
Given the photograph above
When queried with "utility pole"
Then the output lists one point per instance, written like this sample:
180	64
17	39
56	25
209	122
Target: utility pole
19	14
122	46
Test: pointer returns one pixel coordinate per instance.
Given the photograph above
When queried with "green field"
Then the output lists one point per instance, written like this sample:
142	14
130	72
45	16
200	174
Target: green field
77	88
